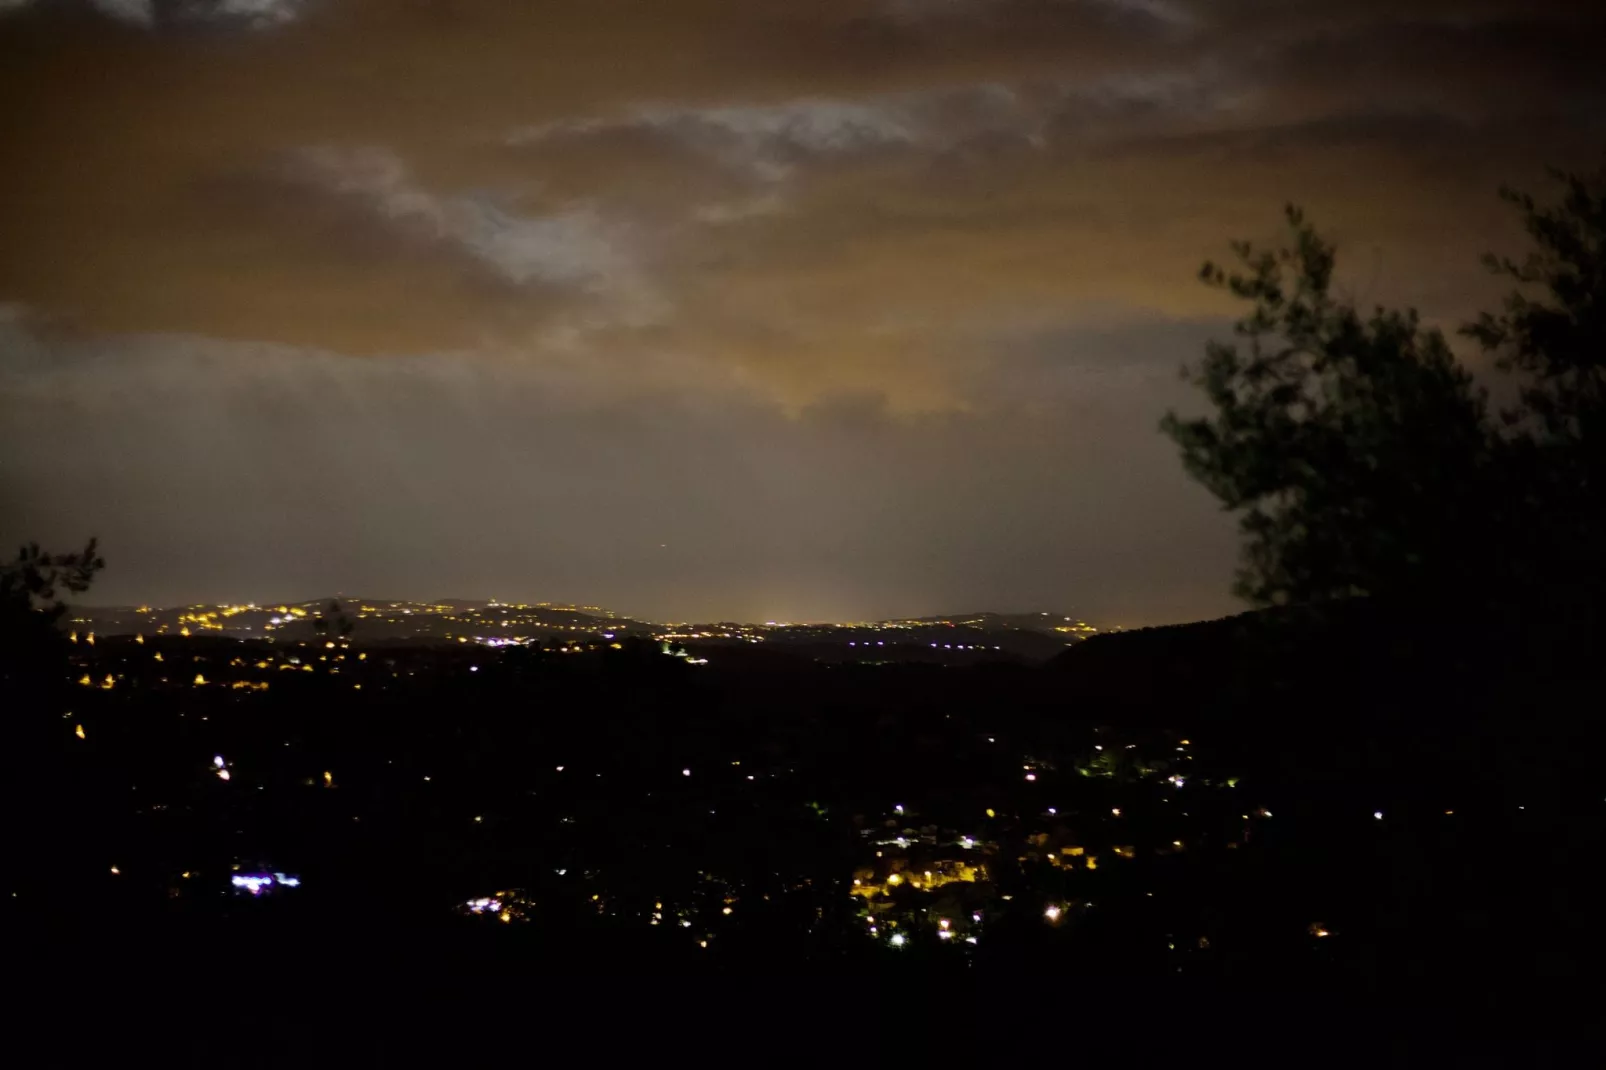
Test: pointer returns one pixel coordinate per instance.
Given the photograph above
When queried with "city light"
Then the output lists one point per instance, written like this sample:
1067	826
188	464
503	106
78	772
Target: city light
257	883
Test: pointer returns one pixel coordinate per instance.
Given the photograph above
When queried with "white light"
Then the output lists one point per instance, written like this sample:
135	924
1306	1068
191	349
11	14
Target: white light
473	668
945	935
1378	814
223	774
897	940
685	772
218	761
1052	913
970	939
252	884
898	808
1031	776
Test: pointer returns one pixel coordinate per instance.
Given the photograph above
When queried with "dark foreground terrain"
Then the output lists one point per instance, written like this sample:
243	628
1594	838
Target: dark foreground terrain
1317	813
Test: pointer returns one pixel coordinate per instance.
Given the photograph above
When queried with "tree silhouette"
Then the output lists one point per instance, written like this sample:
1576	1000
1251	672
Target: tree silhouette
31	608
1551	334
1351	446
1360	454
334	620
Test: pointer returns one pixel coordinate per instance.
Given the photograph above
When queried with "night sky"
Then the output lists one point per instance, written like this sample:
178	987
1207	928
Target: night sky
769	309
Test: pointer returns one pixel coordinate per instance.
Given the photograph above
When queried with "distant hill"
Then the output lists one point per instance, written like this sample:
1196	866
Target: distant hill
374	619
1357	654
953	638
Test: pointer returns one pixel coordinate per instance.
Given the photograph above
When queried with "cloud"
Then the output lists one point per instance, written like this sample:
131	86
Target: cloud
214	470
149	14
854	300
569	247
138	12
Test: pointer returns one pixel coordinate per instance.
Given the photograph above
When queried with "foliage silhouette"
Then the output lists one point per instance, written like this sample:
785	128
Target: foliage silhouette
1361	455
31	607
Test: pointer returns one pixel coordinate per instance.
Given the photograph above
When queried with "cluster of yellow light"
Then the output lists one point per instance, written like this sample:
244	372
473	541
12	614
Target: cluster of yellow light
866	884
